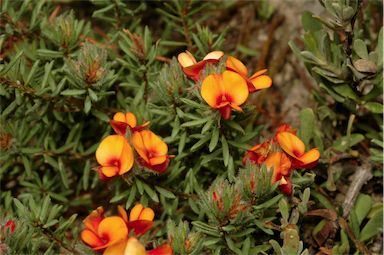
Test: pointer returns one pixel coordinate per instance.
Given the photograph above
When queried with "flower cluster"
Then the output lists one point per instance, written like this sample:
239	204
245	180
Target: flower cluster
111	234
115	154
228	90
282	154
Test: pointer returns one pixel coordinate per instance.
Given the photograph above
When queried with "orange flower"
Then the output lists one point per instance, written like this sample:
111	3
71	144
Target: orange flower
192	68
122	121
132	246
115	156
258	153
152	150
224	91
280	164
294	147
108	232
256	82
140	218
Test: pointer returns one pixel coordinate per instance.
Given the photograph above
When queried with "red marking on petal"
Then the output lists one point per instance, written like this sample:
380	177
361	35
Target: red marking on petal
140	227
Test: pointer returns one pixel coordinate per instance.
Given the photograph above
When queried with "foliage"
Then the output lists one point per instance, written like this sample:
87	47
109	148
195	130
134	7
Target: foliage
69	66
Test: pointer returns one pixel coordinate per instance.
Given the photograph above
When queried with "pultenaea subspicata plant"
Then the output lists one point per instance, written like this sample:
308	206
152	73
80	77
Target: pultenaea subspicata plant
80	81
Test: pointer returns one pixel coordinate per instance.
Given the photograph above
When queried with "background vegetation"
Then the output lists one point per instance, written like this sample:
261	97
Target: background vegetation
68	66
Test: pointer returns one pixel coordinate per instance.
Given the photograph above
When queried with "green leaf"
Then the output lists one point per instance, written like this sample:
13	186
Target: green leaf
360	48
373	227
345	91
165	192
151	193
73	92
374	107
342	144
214	139
63	173
362	207
310	24
225	150
307	125
269	203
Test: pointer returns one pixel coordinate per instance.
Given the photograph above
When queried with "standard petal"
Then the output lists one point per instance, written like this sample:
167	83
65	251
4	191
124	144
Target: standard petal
119	116
237	66
110	149
147	214
291	144
214	55
113	229
261	82
135	212
126	158
211	90
234	87
90	238
186	59
130	119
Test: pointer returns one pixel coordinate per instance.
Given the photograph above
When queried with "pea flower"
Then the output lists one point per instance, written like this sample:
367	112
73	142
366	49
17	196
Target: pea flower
121	121
224	91
140	218
132	246
258	153
101	232
295	148
280	164
115	156
256	82
151	149
192	68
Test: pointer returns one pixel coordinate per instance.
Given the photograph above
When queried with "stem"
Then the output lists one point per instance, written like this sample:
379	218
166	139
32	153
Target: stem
183	15
50	236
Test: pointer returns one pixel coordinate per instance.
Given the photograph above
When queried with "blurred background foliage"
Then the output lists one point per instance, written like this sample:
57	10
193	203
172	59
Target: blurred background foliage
68	66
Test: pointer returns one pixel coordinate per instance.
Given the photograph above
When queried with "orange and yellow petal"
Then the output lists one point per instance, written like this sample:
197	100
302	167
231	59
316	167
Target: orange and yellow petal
91	239
148	145
186	59
110	149
119	116
116	249
112	229
126	159
147	214
135	212
291	144
164	249
261	82
211	89
122	213
279	162
93	220
134	247
130	119
237	66
214	55
109	171
310	157
234	87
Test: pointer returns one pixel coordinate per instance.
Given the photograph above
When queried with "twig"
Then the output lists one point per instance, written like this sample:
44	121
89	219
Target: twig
361	176
276	21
